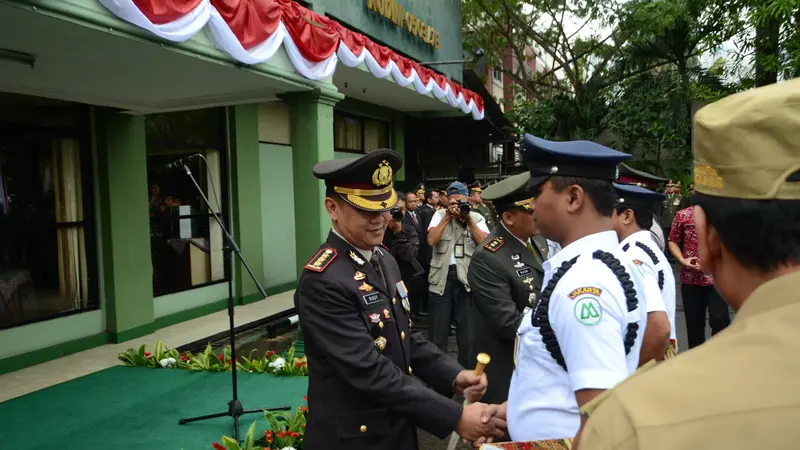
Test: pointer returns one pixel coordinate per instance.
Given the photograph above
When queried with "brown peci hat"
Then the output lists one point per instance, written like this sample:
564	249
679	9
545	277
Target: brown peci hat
746	146
364	182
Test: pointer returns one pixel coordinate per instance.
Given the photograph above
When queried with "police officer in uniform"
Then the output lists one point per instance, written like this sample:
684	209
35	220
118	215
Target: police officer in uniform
632	219
354	311
585	334
738	390
505	275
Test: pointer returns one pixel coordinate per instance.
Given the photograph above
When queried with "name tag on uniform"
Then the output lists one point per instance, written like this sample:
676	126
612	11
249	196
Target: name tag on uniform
371	299
458	250
523	272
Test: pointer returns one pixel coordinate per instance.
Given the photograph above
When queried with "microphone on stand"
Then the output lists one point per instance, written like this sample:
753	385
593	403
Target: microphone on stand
180	162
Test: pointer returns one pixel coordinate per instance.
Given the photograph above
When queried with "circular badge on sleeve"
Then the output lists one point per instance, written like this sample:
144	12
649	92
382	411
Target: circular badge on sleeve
588	310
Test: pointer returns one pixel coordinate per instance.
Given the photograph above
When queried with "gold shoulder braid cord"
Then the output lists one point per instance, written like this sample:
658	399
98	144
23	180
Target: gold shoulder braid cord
540	316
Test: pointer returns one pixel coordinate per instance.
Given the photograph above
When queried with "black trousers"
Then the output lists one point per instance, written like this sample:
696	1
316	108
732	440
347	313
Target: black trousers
696	300
453	305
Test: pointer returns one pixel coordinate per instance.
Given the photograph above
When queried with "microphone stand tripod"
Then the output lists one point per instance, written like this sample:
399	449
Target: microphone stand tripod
235	409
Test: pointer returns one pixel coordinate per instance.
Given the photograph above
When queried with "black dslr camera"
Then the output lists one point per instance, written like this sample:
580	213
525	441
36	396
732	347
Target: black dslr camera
397	215
463	208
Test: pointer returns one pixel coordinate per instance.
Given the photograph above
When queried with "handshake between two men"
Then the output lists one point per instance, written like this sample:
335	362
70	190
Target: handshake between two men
479	423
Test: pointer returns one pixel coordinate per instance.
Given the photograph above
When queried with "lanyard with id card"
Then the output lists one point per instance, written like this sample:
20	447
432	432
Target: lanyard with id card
458	249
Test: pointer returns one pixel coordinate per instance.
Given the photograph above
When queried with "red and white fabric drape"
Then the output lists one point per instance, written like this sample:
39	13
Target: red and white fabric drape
251	31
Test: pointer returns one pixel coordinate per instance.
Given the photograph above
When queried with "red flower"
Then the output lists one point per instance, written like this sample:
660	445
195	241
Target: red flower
146	354
184	358
305	398
218	446
269	354
229	361
221	357
303	409
269	436
299	364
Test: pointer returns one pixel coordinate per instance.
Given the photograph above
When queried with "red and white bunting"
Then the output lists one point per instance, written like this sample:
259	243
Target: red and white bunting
251	31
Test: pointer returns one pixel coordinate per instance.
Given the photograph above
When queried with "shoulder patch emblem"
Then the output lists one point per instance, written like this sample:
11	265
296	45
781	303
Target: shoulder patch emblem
321	260
588	290
638	265
494	244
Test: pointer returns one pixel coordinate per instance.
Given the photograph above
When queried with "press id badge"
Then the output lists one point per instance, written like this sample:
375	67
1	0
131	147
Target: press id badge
459	250
516	351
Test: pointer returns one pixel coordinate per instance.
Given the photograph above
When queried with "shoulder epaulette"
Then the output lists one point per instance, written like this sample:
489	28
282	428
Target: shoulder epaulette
493	244
321	260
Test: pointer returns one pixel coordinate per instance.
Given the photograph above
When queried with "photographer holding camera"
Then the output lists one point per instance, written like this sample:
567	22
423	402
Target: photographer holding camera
453	235
403	243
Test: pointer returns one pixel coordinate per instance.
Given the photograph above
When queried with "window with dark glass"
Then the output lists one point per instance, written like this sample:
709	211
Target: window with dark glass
185	240
357	134
47	253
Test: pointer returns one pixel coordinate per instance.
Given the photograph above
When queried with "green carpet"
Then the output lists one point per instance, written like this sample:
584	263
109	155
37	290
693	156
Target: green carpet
132	407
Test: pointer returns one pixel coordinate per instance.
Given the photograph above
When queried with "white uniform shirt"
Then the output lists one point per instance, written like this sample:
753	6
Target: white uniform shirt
589	316
657	234
552	248
437	219
666	301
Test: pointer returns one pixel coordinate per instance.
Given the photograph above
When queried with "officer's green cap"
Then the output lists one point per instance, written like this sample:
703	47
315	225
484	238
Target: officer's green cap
511	192
746	146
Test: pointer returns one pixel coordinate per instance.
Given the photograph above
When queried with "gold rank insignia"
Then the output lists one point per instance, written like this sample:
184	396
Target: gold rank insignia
359	276
494	244
356	258
365	287
386	313
321	260
380	343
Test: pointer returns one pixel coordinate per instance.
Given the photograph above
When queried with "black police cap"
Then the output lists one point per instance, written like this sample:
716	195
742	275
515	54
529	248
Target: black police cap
581	159
630	195
364	182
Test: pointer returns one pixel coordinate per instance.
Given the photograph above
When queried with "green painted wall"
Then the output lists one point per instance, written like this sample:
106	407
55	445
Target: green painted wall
443	15
277	213
125	231
312	141
182	301
246	196
19	340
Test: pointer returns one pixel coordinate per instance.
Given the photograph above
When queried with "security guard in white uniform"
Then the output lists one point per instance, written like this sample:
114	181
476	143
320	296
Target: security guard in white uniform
633	219
585	334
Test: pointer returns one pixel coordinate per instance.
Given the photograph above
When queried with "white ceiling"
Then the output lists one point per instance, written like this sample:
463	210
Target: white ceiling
358	83
81	64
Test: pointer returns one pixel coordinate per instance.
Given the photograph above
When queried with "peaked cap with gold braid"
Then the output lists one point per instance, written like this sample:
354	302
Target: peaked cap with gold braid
511	192
364	182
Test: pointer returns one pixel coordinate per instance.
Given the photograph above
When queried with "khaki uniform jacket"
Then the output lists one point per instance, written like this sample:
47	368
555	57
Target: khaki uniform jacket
739	390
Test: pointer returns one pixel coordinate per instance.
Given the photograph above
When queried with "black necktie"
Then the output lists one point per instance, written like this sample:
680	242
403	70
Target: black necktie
374	260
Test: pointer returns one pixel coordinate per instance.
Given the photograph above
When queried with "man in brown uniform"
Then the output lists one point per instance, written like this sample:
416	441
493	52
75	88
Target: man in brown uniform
739	390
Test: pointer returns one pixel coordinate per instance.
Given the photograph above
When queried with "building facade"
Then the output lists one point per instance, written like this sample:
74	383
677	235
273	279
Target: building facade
103	239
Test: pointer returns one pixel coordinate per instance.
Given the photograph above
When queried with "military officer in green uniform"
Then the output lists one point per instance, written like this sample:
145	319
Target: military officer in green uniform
505	275
673	202
477	205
